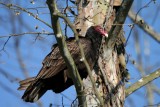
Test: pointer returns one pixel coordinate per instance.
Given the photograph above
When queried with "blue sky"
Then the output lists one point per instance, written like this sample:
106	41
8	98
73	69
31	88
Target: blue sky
33	50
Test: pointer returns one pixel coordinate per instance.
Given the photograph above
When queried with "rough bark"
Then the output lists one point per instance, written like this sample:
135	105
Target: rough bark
108	72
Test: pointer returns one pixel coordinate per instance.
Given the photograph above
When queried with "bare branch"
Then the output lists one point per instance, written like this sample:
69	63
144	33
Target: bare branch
27	33
82	55
17	7
142	24
143	81
120	19
65	52
145	6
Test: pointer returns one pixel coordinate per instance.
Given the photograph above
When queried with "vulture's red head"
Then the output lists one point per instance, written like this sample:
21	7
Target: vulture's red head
101	30
95	32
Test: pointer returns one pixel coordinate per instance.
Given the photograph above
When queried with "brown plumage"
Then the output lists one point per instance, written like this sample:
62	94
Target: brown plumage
54	73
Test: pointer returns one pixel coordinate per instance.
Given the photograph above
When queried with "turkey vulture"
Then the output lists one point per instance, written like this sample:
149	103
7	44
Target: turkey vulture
53	74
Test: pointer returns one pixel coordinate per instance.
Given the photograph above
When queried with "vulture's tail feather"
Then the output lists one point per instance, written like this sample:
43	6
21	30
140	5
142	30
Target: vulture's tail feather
34	89
25	83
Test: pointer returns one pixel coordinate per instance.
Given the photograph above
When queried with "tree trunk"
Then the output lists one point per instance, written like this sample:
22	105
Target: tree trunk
108	71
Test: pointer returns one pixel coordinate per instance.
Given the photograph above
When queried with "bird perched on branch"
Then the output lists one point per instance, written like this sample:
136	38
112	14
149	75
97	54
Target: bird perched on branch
54	73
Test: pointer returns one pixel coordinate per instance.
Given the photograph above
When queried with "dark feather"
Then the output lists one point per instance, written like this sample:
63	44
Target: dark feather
54	73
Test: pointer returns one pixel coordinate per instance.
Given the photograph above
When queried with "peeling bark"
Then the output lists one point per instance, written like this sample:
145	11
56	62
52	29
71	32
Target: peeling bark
90	15
108	72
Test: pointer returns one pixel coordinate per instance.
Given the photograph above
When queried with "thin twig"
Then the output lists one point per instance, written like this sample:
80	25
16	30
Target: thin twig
62	102
27	33
3	48
65	96
120	19
13	6
142	24
135	19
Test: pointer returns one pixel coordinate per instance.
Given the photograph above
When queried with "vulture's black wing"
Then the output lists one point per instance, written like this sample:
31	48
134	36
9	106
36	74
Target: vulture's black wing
54	73
54	63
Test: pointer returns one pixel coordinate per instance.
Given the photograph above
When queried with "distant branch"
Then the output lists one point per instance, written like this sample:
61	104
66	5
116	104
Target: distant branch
155	88
135	18
142	24
10	77
8	89
153	105
143	81
17	7
19	58
27	33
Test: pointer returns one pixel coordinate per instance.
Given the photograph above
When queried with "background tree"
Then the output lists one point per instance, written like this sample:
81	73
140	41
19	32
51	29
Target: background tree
16	51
